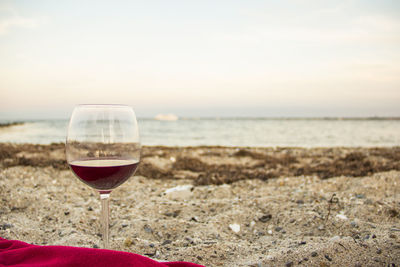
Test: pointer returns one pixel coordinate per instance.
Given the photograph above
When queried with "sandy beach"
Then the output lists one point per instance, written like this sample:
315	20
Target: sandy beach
216	206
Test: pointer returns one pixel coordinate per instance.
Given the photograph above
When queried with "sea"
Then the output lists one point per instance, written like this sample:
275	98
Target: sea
243	132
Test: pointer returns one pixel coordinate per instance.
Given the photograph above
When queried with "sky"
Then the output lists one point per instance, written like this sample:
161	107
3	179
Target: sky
297	58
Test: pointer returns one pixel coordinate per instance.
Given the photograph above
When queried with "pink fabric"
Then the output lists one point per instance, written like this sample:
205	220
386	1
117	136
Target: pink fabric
17	253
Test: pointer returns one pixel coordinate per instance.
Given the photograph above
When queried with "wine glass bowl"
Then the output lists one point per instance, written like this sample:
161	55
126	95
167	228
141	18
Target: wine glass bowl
103	149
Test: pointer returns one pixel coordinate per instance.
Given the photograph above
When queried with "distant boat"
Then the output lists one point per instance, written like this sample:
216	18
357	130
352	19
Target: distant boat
166	117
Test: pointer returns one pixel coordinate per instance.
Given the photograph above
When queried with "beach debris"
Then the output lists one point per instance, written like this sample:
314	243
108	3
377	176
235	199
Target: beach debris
341	216
178	188
335	238
179	192
235	227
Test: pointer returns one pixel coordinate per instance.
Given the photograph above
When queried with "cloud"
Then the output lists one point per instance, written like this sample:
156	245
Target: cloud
9	19
16	22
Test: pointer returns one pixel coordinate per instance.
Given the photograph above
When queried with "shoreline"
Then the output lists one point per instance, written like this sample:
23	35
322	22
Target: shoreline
216	206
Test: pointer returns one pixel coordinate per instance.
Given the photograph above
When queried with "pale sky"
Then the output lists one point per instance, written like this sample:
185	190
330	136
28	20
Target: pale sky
201	58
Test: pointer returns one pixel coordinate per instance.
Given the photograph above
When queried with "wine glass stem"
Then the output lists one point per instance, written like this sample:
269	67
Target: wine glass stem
105	219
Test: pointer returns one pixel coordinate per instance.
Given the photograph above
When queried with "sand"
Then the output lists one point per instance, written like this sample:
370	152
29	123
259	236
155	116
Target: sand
216	206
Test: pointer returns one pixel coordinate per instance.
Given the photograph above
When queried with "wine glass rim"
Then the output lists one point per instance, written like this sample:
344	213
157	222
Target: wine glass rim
103	105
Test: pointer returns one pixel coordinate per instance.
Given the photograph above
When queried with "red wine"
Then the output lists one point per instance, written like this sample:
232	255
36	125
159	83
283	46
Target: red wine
104	174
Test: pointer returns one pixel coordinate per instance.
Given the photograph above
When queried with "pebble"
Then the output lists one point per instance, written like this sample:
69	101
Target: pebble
289	264
166	242
300	201
195	219
148	229
353	224
379	251
128	242
328	258
314	254
341	216
265	218
360	196
278	229
6	226
66	213
235	227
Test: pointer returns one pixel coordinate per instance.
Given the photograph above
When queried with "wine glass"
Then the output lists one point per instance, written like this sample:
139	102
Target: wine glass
103	150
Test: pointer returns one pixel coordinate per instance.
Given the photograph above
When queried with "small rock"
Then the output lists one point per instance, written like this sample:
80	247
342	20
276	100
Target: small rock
353	224
360	196
373	236
379	251
252	223
174	214
314	254
341	216
128	242
289	264
292	220
302	243
300	201
124	225
394	230
392	236
235	227
269	232
166	242
265	218
195	219
278	228
335	238
151	245
6	226
148	229
66	213
95	246
328	258
321	227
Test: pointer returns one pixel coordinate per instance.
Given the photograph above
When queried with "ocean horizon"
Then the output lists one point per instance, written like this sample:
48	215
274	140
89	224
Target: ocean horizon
238	131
